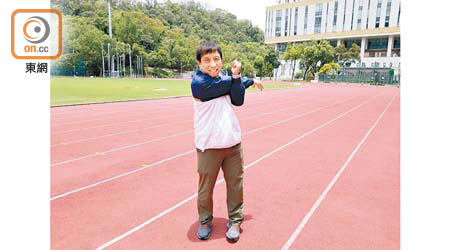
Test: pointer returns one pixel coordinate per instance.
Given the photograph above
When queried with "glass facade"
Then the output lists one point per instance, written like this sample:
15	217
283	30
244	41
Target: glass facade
286	19
396	43
296	21
326	18
345	10
278	23
353	14
333	43
377	44
348	43
305	28
335	15
377	19
368	11
318	18
360	9
388	13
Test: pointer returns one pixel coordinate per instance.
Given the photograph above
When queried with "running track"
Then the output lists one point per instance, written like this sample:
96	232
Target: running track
322	171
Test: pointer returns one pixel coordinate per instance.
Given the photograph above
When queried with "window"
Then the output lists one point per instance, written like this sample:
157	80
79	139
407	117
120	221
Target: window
278	23
377	44
335	15
271	23
326	18
286	20
388	13
348	43
377	20
333	43
281	47
368	11
318	19
296	21
397	43
353	13
360	8
345	7
305	28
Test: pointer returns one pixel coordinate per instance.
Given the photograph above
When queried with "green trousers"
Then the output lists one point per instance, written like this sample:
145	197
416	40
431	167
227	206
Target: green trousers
209	163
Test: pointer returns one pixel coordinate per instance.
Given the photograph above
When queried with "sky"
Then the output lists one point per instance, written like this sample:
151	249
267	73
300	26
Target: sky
253	10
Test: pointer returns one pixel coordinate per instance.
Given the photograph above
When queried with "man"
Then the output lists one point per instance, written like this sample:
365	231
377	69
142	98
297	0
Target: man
218	136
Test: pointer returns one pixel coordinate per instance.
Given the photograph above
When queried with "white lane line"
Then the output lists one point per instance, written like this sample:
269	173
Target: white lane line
122	132
173	135
119	176
120	237
103	118
107	125
138	120
179	155
316	204
120	148
162	125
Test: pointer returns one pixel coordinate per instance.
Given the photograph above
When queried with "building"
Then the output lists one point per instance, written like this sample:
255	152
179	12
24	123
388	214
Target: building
374	25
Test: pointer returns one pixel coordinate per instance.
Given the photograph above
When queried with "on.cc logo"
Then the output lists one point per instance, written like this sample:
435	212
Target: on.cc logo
39	24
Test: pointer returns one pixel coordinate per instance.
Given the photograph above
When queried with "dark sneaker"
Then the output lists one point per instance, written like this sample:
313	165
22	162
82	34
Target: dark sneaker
204	231
233	234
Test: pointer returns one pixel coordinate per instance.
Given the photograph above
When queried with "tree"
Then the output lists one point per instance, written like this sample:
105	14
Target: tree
135	27
270	62
293	53
314	54
83	40
344	57
329	68
164	33
259	65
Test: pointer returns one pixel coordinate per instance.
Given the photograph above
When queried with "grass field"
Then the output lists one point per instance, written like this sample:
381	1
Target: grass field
88	90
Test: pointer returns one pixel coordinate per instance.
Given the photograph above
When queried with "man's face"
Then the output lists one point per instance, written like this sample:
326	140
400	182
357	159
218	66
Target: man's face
211	64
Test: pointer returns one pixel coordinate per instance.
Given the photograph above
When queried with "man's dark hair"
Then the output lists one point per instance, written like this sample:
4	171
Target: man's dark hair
207	47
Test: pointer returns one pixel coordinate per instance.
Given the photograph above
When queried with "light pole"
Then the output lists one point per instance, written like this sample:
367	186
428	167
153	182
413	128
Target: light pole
109	19
129	56
109	60
118	61
103	63
123	59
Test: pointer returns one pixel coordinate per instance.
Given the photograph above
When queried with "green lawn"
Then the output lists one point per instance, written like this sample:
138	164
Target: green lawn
89	90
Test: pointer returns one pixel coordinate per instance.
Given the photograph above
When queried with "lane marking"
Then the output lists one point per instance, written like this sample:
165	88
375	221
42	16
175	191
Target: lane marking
162	125
174	135
165	212
138	120
173	157
316	204
103	118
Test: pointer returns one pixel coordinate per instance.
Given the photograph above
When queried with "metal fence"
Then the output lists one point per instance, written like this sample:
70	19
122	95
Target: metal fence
373	76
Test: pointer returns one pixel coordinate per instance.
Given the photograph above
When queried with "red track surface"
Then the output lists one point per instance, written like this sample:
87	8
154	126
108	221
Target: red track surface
322	172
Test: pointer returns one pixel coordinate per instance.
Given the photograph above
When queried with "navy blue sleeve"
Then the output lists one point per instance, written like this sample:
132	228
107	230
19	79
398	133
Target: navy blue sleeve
207	88
247	81
237	92
238	87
